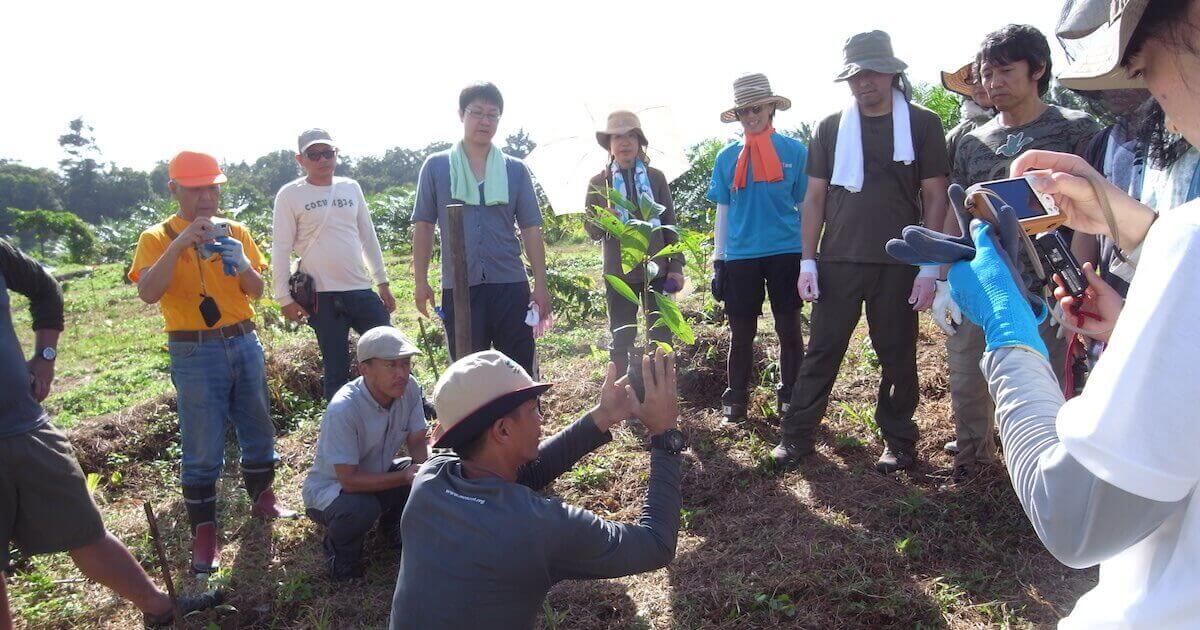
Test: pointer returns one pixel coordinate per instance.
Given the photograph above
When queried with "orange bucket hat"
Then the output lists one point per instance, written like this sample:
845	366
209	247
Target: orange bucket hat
191	168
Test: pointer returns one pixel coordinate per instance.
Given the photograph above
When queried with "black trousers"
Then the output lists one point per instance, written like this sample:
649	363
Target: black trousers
622	313
497	321
844	288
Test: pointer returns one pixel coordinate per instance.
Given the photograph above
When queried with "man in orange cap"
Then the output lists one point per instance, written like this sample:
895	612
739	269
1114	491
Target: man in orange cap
203	274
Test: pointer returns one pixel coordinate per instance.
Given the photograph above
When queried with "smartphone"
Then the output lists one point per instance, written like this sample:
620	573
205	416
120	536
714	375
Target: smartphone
1036	212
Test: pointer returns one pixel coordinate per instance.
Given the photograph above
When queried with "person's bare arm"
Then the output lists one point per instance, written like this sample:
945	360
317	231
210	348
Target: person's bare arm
812	216
251	283
1085	248
422	252
535	249
418	447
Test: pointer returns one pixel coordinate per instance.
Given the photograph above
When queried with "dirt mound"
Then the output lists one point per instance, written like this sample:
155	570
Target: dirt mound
142	433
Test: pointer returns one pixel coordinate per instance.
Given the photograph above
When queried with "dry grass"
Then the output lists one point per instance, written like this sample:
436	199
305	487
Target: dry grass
830	545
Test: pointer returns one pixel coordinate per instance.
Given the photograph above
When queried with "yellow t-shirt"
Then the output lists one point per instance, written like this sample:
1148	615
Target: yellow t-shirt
181	303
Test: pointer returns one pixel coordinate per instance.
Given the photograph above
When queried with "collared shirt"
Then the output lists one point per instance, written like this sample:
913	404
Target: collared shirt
180	304
493	249
357	431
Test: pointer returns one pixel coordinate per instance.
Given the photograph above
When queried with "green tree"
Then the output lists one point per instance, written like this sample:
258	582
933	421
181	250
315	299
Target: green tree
690	190
940	101
519	144
54	232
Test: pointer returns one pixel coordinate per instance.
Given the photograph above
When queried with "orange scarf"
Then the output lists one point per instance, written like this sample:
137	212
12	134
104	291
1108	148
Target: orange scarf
759	150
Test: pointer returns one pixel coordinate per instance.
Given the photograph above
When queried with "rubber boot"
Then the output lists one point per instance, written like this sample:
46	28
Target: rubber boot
258	479
733	406
201	503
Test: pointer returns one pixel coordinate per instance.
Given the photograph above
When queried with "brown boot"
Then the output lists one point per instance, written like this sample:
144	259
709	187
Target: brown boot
266	506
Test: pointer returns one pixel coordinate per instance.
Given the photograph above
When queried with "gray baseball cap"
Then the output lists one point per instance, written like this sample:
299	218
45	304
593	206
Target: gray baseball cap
315	136
385	342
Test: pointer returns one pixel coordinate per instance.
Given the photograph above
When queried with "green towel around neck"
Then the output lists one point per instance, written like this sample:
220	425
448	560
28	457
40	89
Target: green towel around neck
465	188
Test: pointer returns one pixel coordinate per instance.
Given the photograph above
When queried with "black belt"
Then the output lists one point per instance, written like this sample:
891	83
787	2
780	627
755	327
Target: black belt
244	327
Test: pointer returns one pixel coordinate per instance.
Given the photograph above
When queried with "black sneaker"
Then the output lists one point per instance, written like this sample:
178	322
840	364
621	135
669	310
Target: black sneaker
788	453
187	604
891	461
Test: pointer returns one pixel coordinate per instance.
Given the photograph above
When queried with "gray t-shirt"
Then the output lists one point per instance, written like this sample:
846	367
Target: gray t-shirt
493	249
482	553
356	431
20	412
986	153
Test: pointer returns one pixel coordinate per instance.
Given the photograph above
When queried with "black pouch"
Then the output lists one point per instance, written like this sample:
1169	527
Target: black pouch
210	311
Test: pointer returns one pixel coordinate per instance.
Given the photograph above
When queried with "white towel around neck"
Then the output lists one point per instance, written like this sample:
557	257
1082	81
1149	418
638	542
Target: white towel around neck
848	156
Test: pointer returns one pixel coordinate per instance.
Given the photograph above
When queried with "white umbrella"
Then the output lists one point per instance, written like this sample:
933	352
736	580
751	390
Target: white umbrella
565	162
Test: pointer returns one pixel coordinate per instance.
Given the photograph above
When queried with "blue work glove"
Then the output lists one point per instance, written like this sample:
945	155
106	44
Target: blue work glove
233	255
985	280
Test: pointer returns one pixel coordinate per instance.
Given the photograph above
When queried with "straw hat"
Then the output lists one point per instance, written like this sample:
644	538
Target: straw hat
619	122
750	90
960	81
870	51
476	391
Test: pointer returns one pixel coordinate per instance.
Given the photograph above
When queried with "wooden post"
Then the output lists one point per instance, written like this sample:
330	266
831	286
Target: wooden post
457	251
162	561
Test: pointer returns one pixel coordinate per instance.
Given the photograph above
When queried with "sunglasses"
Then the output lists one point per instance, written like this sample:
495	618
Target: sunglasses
746	111
316	156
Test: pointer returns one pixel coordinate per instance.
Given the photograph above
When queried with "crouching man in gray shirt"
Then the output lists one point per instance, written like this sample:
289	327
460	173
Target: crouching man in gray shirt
482	548
354	480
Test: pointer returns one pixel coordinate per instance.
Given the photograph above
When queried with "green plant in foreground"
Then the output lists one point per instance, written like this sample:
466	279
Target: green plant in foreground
635	236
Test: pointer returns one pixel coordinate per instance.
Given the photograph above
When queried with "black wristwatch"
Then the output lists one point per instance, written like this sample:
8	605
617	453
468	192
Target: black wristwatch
672	441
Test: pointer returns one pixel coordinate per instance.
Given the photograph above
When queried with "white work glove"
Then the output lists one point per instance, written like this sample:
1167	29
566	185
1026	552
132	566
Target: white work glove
806	284
944	311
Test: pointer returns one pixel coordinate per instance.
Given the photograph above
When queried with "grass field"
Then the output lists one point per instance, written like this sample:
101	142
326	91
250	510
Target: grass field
831	545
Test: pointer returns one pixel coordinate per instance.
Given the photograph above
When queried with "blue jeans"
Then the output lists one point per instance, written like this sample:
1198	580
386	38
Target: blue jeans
218	381
338	312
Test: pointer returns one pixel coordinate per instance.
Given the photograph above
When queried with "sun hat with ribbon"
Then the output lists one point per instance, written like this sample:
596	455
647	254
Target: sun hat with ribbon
961	81
619	122
476	391
750	90
1104	28
869	51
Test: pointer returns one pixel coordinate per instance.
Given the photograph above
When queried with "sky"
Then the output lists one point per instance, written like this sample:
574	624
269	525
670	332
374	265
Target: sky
241	79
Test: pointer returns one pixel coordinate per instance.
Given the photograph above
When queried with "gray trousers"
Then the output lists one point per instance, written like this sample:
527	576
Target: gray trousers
970	403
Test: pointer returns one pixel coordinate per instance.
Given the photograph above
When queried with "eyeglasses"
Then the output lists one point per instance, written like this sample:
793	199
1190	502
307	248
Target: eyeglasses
478	115
316	156
746	111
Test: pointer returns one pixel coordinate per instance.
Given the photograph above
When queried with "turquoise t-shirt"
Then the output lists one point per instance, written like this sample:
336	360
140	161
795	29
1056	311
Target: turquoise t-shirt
762	219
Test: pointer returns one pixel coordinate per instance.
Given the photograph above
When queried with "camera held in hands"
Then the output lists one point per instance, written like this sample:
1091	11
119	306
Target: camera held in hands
207	249
1039	218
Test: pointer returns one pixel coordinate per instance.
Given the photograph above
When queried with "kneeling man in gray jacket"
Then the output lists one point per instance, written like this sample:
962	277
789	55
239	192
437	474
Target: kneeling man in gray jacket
481	547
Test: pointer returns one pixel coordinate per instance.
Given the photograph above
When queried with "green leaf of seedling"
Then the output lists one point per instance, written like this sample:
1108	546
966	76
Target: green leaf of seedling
605	219
666	226
630	259
650	209
671	250
669	311
664	346
619	286
617	199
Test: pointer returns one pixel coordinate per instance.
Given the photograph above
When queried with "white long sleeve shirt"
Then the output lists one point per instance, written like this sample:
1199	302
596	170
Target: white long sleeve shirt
344	246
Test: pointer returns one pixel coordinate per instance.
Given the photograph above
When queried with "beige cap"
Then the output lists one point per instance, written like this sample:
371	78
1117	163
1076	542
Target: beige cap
385	342
478	390
1105	28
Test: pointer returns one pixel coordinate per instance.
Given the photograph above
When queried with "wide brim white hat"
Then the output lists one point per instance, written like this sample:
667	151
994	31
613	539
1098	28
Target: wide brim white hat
476	391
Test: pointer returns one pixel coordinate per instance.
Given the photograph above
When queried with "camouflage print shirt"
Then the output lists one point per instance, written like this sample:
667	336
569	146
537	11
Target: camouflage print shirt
986	153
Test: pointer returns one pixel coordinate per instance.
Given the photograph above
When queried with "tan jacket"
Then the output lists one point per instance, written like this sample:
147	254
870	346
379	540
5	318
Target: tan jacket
658	240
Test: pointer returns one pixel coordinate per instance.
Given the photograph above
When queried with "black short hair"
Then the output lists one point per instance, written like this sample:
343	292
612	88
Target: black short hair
1018	42
471	449
480	91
